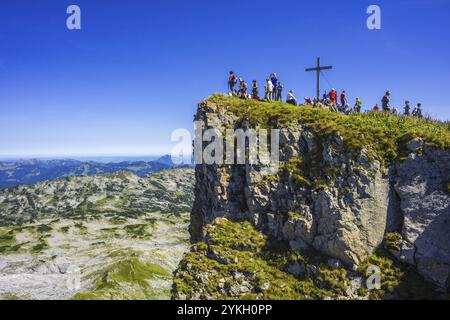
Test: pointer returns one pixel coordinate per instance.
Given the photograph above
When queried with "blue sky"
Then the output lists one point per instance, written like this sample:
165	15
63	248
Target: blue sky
137	69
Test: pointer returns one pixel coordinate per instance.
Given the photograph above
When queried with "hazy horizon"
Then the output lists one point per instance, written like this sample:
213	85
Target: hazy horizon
97	158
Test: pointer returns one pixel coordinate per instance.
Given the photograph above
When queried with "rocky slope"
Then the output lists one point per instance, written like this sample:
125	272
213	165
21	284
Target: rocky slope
347	186
124	193
115	236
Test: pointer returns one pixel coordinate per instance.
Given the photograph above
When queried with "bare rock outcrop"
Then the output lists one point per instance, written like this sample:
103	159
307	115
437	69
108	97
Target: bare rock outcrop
426	210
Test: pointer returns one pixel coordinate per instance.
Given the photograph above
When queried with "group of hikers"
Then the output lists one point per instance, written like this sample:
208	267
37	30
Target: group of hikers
386	106
273	91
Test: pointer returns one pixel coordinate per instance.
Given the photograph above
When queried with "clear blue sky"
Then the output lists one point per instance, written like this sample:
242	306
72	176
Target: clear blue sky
137	68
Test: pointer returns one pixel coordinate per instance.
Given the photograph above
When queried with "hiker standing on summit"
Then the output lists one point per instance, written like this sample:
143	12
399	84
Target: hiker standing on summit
386	102
242	89
407	109
279	92
231	82
333	97
268	88
343	99
358	105
255	90
274	80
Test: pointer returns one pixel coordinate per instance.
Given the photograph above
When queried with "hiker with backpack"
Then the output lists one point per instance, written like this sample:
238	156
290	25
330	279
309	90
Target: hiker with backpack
231	83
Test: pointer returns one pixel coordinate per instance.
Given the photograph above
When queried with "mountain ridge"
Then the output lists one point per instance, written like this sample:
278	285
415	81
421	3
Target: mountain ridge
29	171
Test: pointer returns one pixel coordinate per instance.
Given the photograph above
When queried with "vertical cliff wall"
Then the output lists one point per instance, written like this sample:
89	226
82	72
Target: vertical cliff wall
344	183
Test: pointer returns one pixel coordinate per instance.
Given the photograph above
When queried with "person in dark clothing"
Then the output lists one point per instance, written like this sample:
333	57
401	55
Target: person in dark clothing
255	90
407	109
232	82
242	89
417	112
386	102
279	89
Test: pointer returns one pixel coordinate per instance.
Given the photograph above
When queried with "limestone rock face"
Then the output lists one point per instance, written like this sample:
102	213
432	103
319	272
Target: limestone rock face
426	211
323	197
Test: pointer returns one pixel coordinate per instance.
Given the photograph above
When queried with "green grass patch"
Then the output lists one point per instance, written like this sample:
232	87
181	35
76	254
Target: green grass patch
41	246
397	280
392	241
207	270
127	278
8	243
136	231
446	187
43	228
386	135
264	262
230	235
64	229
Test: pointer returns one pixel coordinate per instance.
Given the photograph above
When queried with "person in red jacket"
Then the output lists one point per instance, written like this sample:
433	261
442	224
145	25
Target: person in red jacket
232	82
343	98
333	96
376	108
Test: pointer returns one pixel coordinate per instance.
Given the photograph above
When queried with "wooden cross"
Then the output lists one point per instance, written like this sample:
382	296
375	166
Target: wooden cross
318	69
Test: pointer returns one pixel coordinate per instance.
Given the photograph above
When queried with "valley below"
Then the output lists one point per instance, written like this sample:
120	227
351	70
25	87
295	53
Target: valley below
101	246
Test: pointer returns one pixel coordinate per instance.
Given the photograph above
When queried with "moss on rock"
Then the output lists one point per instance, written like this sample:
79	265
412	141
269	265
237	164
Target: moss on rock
236	261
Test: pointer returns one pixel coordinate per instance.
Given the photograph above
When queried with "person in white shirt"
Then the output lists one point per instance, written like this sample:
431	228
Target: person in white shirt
291	99
268	90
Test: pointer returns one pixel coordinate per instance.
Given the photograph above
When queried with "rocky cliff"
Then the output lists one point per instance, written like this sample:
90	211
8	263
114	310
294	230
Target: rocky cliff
346	187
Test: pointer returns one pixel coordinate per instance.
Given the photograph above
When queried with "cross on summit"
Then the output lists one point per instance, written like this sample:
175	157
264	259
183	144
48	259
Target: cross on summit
318	69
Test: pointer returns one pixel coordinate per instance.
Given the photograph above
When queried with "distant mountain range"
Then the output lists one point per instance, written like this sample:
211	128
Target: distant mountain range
14	173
